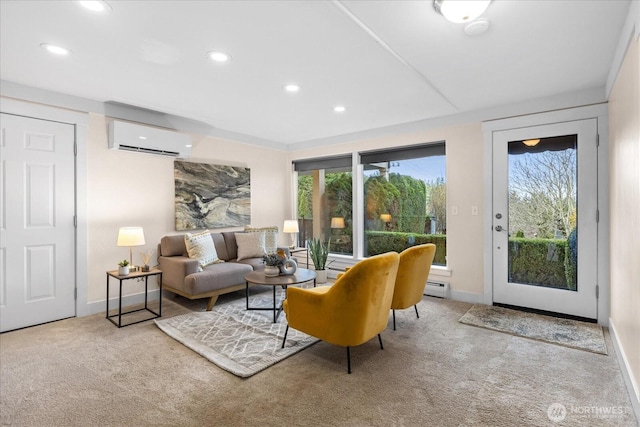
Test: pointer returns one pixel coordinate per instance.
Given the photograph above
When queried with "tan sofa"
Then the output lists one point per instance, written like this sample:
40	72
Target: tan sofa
180	273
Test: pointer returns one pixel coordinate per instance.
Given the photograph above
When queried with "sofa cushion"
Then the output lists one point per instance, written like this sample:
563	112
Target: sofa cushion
173	245
255	263
216	276
200	246
270	237
250	245
230	243
221	247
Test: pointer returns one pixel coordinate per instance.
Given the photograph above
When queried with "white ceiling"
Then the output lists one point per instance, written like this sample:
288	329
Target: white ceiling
388	62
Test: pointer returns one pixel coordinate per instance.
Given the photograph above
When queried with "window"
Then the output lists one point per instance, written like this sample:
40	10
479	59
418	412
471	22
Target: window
405	199
325	202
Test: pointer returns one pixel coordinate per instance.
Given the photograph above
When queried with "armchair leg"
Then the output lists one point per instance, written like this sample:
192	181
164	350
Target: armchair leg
416	307
394	319
348	361
285	336
380	339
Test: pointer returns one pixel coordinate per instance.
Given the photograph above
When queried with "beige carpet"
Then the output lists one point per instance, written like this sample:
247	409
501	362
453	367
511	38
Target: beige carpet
239	341
565	332
433	371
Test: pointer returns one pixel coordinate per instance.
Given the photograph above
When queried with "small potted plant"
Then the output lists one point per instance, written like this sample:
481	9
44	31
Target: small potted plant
123	268
318	252
272	264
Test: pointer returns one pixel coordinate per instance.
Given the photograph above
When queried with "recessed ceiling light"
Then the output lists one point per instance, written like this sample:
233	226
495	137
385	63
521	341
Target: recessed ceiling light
142	137
218	56
96	6
292	87
52	48
339	109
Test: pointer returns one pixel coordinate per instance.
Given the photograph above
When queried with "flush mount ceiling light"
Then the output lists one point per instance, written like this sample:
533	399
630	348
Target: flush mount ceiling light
219	56
96	6
55	49
531	142
292	87
339	109
459	11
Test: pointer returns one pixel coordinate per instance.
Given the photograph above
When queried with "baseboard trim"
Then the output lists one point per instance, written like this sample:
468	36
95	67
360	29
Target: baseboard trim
625	368
127	300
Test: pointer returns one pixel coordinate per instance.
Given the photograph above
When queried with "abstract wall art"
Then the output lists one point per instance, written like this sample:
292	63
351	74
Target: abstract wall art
211	196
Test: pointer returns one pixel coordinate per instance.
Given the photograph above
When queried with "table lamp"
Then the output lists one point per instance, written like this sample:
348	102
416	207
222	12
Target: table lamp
130	236
291	226
337	222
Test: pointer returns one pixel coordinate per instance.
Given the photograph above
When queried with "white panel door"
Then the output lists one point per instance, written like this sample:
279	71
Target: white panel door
545	202
37	250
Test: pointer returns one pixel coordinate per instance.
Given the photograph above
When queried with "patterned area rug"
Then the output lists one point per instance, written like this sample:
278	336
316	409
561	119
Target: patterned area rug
239	341
566	332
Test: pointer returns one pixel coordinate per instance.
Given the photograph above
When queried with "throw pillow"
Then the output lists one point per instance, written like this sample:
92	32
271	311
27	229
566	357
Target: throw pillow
250	245
200	246
270	237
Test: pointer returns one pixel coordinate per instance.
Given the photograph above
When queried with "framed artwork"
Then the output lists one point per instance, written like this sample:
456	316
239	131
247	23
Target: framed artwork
211	196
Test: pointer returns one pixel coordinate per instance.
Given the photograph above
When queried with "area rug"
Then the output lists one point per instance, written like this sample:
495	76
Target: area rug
565	332
239	341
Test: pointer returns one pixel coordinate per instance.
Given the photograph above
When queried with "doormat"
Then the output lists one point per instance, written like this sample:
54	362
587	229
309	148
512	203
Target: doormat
239	341
565	332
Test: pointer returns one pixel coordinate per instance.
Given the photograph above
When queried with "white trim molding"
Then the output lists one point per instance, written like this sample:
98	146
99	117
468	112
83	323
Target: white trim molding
597	111
625	368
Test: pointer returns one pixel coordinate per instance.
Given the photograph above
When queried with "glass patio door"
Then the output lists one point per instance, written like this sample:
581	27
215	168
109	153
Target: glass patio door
545	218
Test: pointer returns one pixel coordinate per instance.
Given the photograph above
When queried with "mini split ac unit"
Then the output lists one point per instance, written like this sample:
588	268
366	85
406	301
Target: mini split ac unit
144	139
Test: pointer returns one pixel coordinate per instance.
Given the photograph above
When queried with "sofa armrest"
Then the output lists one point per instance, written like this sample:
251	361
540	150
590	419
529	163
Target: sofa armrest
175	269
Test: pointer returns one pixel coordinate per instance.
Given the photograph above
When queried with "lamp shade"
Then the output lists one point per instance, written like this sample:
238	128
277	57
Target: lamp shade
290	226
130	236
385	217
337	222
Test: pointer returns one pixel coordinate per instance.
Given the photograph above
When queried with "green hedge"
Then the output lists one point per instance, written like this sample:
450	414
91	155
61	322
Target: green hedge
540	261
379	242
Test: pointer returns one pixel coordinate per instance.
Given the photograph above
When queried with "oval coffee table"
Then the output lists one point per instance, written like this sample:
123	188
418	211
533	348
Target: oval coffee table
258	278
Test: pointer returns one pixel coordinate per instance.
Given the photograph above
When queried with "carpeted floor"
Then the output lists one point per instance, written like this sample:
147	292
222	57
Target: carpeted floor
433	371
566	332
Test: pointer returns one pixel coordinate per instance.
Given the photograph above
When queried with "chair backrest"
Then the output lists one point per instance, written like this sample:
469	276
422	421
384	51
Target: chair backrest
361	299
413	271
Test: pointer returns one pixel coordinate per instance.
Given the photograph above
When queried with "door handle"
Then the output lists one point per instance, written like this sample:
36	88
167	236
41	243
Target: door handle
499	228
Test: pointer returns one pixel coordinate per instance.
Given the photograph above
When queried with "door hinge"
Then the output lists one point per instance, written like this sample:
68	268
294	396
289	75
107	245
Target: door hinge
75	221
598	215
75	293
597	291
75	148
597	140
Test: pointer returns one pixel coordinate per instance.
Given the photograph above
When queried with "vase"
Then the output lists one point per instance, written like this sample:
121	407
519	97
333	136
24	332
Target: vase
123	271
271	270
289	267
321	276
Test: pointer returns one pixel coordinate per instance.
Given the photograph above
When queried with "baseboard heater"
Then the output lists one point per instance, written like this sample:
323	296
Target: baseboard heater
437	289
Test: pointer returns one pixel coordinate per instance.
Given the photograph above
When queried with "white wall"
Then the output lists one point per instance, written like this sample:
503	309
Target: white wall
624	162
132	189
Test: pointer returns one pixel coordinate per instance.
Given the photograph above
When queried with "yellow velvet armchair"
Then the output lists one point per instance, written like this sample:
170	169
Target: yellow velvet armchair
351	311
413	271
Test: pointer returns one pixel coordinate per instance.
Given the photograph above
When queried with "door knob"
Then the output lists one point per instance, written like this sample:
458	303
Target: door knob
499	228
